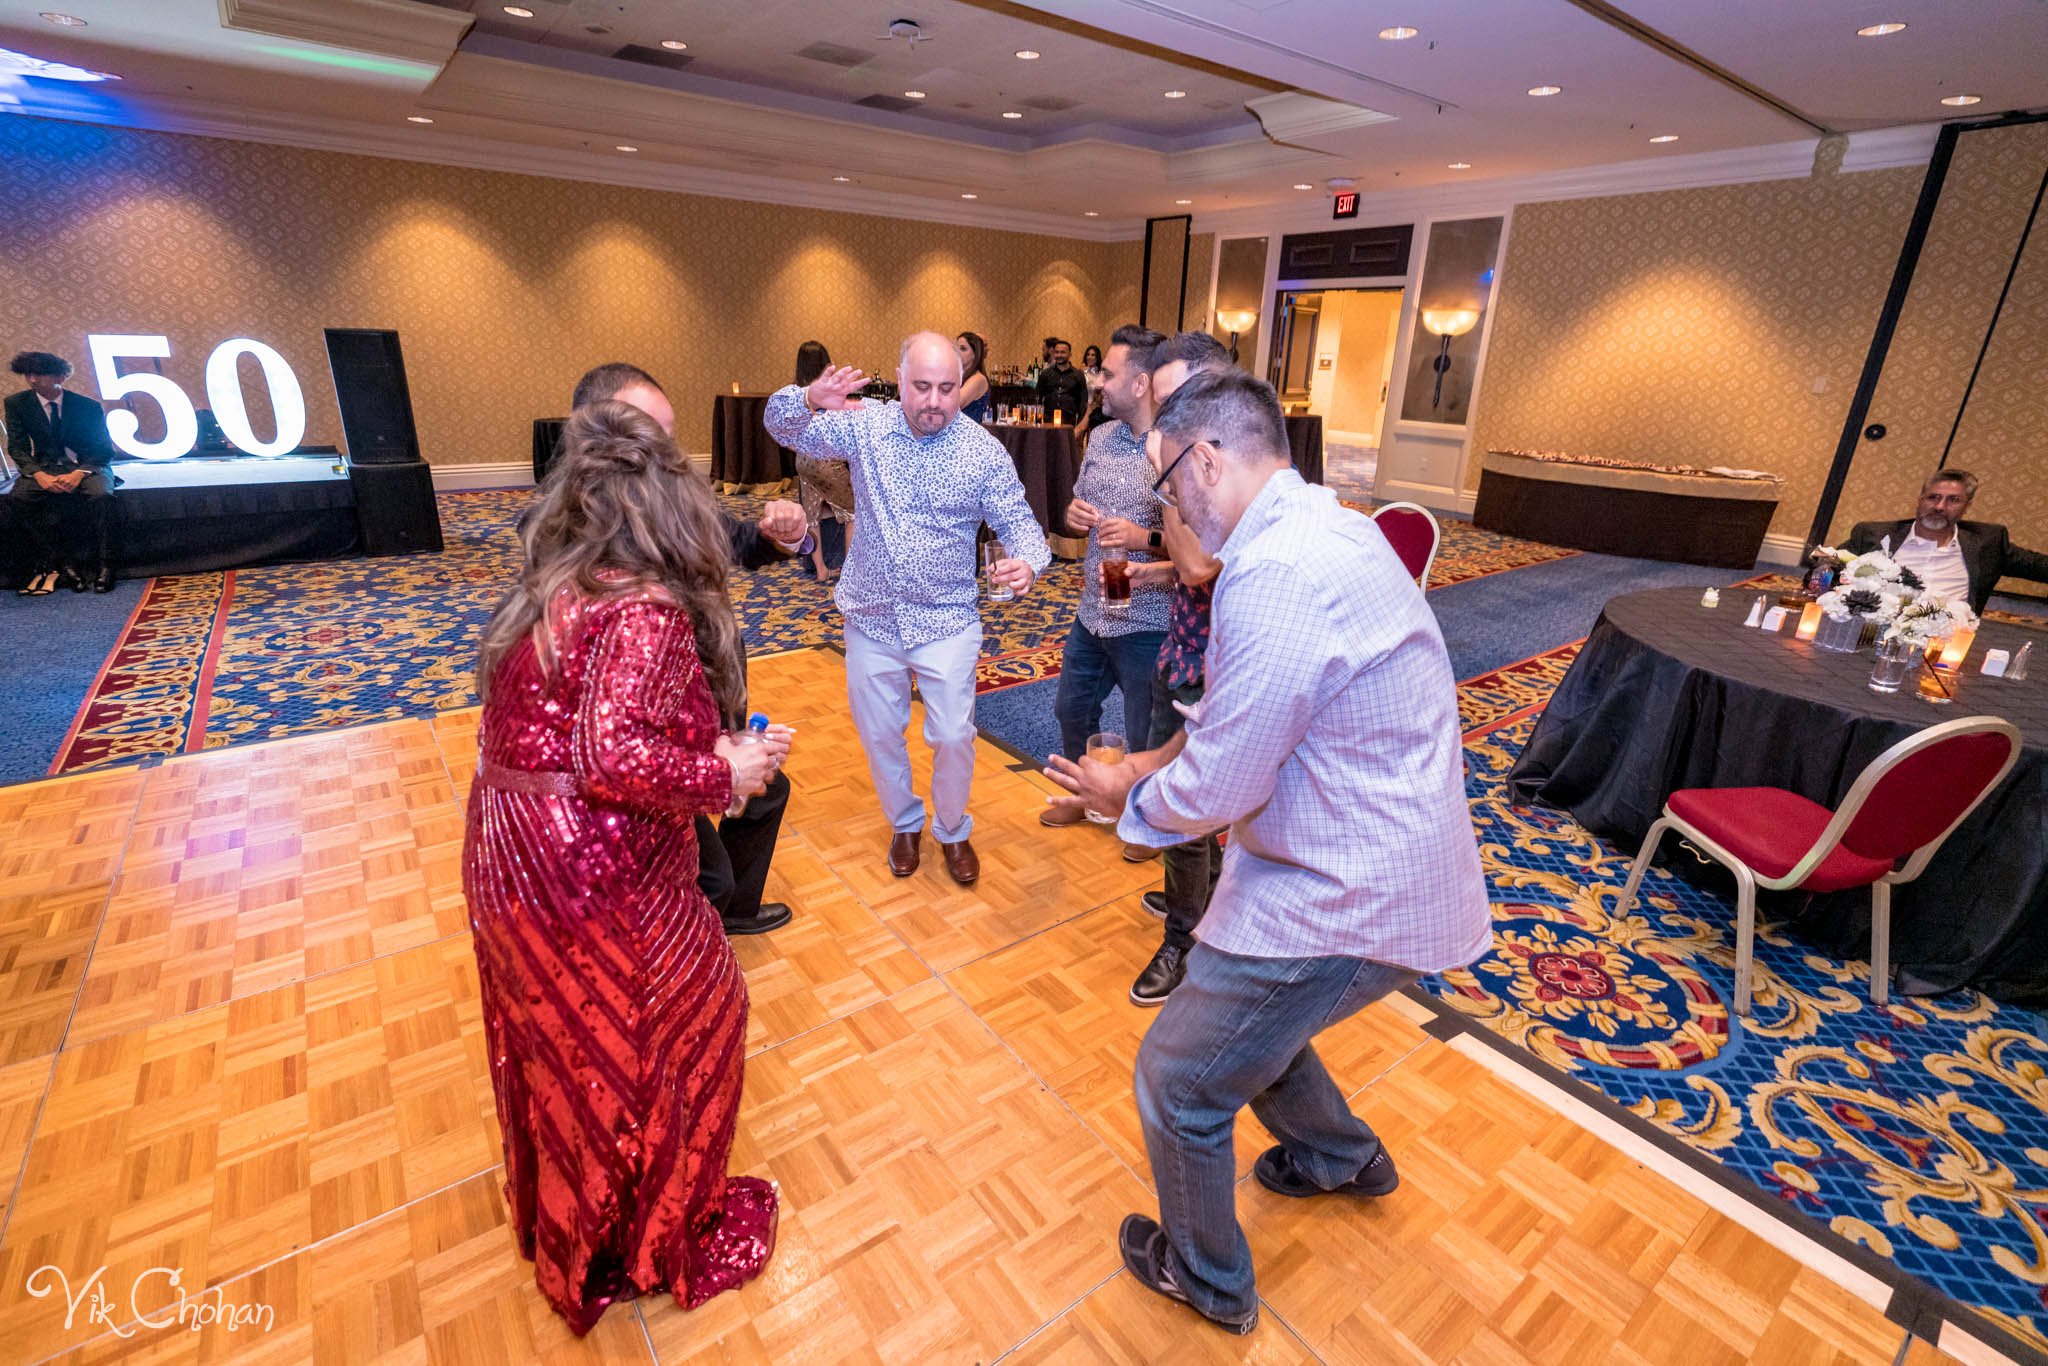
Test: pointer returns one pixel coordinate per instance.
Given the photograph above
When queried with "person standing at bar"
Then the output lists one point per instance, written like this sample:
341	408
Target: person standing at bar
925	479
1328	742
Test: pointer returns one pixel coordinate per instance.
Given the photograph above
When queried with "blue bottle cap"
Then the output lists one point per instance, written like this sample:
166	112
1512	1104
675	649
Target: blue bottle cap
758	721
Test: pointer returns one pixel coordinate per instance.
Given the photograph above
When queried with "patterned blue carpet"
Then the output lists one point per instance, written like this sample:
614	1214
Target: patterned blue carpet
1915	1135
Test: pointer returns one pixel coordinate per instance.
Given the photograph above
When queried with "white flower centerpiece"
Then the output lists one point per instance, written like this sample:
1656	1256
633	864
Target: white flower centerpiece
1872	590
1928	619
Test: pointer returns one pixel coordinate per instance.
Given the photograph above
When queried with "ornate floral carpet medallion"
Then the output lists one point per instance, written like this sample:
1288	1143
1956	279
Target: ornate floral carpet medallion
1912	1136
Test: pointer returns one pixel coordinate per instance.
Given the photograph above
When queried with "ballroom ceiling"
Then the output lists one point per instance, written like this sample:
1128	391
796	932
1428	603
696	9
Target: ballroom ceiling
808	100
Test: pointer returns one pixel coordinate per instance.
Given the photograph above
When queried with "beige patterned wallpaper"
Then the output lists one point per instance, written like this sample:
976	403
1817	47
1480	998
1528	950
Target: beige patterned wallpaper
1692	326
504	288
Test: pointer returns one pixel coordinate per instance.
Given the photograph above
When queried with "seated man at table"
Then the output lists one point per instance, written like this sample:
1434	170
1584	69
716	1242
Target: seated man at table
733	858
1954	558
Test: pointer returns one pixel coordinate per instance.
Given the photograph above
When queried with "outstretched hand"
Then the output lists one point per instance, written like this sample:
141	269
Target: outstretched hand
1098	787
833	390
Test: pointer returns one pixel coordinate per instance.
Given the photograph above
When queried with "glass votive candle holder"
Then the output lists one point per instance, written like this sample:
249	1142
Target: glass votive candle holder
1809	621
1956	647
1938	682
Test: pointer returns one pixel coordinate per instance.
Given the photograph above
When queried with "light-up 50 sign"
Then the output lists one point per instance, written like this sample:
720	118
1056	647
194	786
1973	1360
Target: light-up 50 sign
223	393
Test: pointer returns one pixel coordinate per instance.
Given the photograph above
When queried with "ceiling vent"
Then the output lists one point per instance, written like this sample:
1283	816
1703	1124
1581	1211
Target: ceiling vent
831	54
654	56
1050	104
895	104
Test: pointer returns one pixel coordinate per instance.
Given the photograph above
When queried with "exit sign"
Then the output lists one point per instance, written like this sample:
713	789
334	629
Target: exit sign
1345	204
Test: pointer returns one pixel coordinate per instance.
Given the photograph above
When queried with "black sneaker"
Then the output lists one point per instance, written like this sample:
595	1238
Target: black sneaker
1143	1245
1155	904
773	915
1160	976
1277	1173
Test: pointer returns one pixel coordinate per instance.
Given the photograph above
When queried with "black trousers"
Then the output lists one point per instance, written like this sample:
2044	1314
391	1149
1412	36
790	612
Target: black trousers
67	528
1191	868
733	856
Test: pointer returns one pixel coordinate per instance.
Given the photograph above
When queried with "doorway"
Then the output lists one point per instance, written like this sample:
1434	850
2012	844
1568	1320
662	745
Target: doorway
1333	356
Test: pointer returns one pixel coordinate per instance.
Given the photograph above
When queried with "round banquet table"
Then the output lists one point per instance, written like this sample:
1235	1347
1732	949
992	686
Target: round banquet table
1048	461
744	458
1667	694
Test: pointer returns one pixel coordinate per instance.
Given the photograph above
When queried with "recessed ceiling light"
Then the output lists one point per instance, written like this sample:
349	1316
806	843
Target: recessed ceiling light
417	118
842	180
1461	166
1958	101
970	196
1304	185
1183	201
1665	137
1176	94
675	45
1397	33
50	16
1012	114
625	147
1025	54
1090	213
1880	30
519	11
913	94
1541	90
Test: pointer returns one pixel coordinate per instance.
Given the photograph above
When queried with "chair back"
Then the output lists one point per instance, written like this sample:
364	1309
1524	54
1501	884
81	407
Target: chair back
1914	795
1412	530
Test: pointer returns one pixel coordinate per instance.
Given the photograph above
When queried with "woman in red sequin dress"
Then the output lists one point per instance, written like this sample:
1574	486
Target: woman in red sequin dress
615	1012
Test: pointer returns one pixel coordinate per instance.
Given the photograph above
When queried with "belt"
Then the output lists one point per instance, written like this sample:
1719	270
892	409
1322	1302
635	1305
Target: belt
537	782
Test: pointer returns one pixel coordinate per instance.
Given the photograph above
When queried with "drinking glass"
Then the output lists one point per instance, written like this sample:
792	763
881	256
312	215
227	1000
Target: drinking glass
1105	748
1116	581
1895	658
990	553
1938	683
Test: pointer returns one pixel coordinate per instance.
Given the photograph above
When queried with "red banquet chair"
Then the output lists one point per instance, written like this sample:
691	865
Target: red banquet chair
1901	808
1412	531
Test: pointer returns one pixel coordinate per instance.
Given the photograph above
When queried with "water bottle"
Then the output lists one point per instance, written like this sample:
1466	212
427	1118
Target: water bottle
755	733
2018	669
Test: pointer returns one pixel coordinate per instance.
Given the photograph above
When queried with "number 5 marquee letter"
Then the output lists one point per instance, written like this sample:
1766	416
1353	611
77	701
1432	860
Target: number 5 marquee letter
223	391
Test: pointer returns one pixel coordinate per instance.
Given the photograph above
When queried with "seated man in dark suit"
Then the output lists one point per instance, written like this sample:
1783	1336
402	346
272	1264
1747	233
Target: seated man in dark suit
59	441
1954	558
733	857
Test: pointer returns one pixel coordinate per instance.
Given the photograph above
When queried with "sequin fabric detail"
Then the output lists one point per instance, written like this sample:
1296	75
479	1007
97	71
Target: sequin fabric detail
614	1010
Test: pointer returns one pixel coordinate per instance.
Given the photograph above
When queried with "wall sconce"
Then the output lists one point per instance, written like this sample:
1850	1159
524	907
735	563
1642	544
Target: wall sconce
1236	320
1446	323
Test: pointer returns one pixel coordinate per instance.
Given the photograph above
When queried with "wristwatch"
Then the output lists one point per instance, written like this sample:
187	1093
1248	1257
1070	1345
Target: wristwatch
1156	541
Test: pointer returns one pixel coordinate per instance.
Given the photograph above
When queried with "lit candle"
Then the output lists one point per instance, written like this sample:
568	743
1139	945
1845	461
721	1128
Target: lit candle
1055	417
1809	620
1957	646
735	386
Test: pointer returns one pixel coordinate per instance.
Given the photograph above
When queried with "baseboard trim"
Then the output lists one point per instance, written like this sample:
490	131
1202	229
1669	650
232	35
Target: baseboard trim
1781	551
501	475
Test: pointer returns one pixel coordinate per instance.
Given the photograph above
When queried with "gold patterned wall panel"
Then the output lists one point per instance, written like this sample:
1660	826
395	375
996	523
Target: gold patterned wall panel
504	288
1992	182
1690	325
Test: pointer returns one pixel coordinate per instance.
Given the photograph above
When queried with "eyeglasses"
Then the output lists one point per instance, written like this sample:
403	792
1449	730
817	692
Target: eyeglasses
1159	489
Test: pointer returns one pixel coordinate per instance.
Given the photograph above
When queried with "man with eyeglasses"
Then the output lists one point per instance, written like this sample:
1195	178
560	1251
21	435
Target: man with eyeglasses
1328	742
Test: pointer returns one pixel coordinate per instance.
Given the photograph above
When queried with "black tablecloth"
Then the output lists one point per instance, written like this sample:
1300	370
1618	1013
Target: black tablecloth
743	455
1667	694
1048	462
547	444
1305	438
193	529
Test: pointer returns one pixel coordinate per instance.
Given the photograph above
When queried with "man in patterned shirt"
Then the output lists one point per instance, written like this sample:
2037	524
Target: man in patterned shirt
924	482
1193	866
1328	742
1114	645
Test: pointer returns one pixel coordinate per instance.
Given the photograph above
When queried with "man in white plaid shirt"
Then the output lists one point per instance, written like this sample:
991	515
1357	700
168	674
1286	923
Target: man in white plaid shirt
1328	742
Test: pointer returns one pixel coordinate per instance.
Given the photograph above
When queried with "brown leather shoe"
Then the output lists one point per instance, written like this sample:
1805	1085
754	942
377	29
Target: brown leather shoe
1061	816
961	862
1138	853
903	852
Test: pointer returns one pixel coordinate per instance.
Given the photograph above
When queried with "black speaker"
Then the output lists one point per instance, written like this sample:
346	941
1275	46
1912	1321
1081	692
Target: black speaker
395	506
370	390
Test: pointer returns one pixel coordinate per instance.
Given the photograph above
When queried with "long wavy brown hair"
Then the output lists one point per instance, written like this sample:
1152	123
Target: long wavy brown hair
621	512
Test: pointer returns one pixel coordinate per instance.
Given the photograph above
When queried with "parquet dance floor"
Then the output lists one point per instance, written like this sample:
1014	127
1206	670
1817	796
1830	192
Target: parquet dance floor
240	1046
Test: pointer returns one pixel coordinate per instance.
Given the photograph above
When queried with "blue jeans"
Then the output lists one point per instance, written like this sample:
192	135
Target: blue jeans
1089	667
1237	1031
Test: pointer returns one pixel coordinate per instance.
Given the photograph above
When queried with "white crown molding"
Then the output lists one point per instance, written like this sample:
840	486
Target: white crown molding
1296	119
482	154
1736	166
390	28
1883	148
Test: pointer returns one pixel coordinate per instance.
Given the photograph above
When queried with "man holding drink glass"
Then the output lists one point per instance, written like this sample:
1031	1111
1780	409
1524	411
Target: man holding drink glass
1328	742
1114	641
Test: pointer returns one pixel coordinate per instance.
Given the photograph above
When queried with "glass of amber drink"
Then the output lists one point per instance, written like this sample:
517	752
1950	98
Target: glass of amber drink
1105	748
